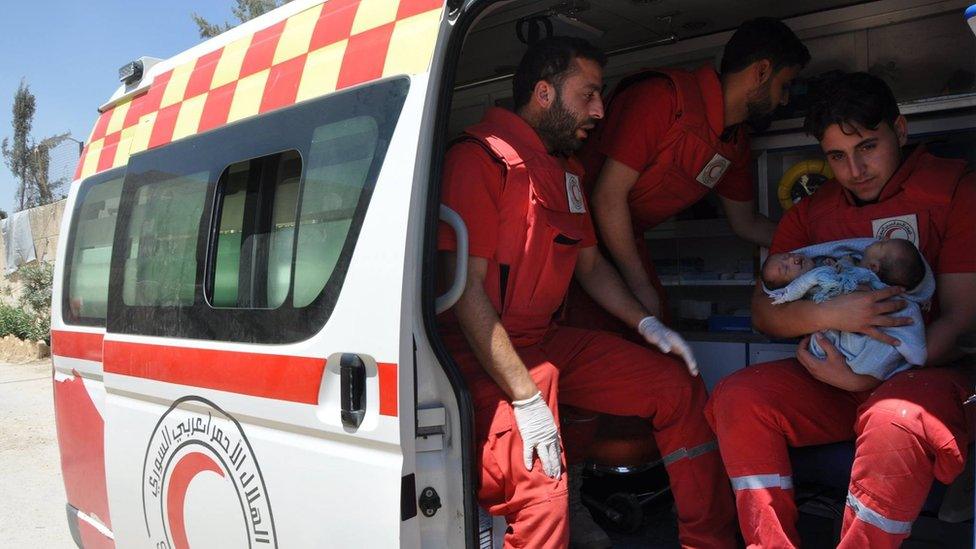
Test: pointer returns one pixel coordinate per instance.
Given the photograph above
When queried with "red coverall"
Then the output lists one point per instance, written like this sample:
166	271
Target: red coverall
908	430
669	126
527	216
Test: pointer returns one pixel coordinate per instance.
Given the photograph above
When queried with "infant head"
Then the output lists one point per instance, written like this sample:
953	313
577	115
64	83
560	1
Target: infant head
896	261
783	268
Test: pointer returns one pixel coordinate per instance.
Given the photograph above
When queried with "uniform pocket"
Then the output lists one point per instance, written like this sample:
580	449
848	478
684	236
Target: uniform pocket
565	240
559	238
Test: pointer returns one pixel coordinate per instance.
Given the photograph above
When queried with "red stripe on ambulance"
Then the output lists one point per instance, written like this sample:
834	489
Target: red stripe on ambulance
291	378
82	345
281	377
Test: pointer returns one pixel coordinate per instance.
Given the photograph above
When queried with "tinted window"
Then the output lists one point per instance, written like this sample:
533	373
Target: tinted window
161	241
245	233
86	270
256	232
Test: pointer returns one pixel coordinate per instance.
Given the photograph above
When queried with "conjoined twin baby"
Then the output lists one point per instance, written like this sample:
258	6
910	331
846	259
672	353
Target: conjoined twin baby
823	271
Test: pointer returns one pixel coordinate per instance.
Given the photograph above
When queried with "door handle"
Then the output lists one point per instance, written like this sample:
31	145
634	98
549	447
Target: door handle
448	300
352	381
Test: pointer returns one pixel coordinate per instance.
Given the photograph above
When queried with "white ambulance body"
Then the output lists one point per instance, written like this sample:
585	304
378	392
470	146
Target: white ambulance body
243	328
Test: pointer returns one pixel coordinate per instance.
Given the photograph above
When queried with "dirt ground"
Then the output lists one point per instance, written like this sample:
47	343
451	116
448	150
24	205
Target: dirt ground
32	512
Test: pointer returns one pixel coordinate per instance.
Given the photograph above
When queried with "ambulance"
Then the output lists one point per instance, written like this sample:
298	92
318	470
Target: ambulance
244	332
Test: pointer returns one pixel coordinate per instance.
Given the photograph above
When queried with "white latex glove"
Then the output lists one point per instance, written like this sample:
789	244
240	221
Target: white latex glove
539	434
668	341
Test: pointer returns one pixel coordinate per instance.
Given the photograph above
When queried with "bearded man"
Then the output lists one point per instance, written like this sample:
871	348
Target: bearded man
514	182
672	136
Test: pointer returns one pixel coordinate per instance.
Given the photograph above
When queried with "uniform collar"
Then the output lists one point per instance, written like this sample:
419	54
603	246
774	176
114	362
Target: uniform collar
897	181
711	92
517	128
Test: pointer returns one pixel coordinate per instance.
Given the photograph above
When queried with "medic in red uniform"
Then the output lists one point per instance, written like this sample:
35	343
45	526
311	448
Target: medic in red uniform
672	136
513	181
907	430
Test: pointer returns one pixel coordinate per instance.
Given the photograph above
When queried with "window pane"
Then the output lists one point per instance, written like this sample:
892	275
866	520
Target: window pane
339	162
160	267
246	232
90	252
256	232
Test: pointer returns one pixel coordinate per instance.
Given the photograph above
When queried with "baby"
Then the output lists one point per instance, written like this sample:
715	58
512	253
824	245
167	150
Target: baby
895	262
826	270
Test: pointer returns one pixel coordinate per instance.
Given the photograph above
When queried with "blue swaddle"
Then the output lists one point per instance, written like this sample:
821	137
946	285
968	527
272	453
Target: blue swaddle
864	354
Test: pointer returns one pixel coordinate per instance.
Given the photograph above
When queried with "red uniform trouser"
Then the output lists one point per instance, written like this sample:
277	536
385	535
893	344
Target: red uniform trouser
907	431
601	372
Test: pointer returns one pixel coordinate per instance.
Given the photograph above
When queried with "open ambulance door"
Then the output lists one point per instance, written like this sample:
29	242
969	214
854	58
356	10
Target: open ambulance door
259	350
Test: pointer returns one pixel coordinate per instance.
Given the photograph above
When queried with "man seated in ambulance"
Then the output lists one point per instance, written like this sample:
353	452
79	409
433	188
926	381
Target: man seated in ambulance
514	181
908	429
670	137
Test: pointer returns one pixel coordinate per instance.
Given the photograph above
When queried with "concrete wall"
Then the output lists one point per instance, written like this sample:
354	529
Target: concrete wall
45	222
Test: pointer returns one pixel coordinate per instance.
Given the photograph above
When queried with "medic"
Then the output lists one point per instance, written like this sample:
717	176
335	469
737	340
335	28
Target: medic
514	181
907	430
672	136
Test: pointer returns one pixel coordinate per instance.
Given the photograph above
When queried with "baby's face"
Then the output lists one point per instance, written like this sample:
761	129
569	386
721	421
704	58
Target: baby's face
781	269
874	253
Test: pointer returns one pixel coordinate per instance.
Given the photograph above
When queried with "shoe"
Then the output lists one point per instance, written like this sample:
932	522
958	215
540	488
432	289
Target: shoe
584	532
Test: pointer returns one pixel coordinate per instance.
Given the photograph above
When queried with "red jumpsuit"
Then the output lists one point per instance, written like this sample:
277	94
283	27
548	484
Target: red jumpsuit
669	126
909	430
527	216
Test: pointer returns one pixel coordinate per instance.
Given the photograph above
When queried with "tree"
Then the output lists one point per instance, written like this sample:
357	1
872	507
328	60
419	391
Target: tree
245	11
28	160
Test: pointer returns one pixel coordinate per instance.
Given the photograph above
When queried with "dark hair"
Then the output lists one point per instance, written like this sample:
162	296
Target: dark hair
763	38
550	59
850	98
906	268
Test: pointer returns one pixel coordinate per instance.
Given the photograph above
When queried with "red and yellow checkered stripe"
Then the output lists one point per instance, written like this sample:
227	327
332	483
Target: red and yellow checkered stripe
325	48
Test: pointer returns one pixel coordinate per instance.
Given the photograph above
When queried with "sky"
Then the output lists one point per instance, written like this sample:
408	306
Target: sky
69	53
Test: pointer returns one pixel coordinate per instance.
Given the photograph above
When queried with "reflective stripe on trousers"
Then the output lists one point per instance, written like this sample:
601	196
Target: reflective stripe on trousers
757	482
874	518
695	451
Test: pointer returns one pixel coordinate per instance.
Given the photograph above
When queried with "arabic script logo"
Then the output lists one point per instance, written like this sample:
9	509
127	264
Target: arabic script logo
192	440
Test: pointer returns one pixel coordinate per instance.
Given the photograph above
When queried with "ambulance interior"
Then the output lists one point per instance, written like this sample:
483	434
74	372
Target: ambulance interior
923	49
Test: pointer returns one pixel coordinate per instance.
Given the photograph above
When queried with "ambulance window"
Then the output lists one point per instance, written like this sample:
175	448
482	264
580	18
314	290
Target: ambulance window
256	232
160	267
339	161
245	232
85	295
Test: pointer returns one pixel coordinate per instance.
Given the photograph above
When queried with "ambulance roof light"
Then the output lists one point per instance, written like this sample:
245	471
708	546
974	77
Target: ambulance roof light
131	72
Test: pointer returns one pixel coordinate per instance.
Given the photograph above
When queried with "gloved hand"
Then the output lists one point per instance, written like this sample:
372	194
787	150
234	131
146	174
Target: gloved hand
667	340
538	428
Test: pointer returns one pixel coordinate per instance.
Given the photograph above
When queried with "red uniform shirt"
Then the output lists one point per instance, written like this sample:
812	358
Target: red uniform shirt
634	131
918	203
474	186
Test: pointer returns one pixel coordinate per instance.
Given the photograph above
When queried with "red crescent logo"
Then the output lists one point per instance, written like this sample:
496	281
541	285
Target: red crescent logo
185	470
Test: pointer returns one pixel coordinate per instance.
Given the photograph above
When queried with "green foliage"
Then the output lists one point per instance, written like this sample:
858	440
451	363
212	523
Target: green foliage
32	319
28	160
23	325
37	278
245	11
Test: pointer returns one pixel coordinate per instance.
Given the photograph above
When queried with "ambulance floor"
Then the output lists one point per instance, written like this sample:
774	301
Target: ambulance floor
644	521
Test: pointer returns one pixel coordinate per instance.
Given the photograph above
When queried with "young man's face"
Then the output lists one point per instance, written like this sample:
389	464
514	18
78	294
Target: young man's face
575	109
862	159
772	93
